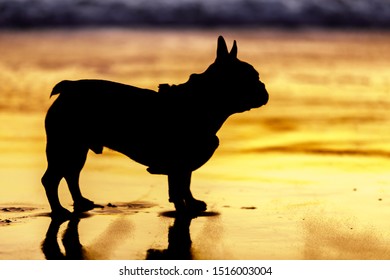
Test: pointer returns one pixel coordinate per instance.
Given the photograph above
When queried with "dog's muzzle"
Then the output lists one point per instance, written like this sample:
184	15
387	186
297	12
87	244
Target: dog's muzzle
262	96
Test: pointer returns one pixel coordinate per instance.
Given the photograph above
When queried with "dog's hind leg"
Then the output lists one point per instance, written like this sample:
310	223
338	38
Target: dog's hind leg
74	162
51	180
180	193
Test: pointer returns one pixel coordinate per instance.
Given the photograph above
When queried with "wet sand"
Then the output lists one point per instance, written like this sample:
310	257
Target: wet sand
305	177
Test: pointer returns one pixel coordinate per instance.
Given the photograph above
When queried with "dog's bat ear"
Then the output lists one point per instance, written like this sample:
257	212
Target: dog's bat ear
222	51
233	51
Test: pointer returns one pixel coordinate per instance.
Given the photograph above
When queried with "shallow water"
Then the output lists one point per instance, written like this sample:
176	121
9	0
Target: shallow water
305	177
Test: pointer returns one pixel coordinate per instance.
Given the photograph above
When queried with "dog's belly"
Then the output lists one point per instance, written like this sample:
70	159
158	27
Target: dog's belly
169	155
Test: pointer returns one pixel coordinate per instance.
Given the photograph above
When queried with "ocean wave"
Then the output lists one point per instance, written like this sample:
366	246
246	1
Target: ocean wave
321	150
199	13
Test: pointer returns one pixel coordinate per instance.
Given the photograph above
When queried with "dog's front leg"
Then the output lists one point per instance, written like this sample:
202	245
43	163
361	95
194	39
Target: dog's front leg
178	182
180	193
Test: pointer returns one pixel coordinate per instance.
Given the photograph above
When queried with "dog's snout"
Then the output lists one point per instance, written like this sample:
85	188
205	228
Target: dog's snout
266	96
263	94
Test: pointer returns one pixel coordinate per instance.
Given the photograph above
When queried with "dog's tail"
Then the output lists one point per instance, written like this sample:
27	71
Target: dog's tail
60	87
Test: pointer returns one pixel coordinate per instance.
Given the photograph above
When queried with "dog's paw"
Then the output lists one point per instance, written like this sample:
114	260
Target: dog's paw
61	214
180	206
85	205
196	206
190	208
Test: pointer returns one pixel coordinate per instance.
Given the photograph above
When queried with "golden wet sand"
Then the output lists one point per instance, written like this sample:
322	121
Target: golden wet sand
305	177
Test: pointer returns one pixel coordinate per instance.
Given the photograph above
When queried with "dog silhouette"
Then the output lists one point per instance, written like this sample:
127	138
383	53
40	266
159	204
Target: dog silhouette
172	131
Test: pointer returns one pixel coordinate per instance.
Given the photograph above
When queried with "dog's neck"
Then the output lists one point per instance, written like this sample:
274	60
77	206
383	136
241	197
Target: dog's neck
202	97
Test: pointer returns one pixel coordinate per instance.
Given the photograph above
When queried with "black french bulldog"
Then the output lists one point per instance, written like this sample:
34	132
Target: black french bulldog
172	131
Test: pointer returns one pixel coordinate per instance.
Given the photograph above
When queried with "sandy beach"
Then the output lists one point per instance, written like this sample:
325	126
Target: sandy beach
304	177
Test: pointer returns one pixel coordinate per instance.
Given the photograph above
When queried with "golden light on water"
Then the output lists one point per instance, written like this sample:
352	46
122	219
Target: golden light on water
295	178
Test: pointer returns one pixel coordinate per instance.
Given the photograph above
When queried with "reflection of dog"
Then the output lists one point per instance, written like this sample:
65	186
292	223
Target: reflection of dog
179	238
173	132
179	242
73	248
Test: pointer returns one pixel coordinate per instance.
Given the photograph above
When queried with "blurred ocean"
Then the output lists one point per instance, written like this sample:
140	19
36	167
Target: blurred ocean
195	13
